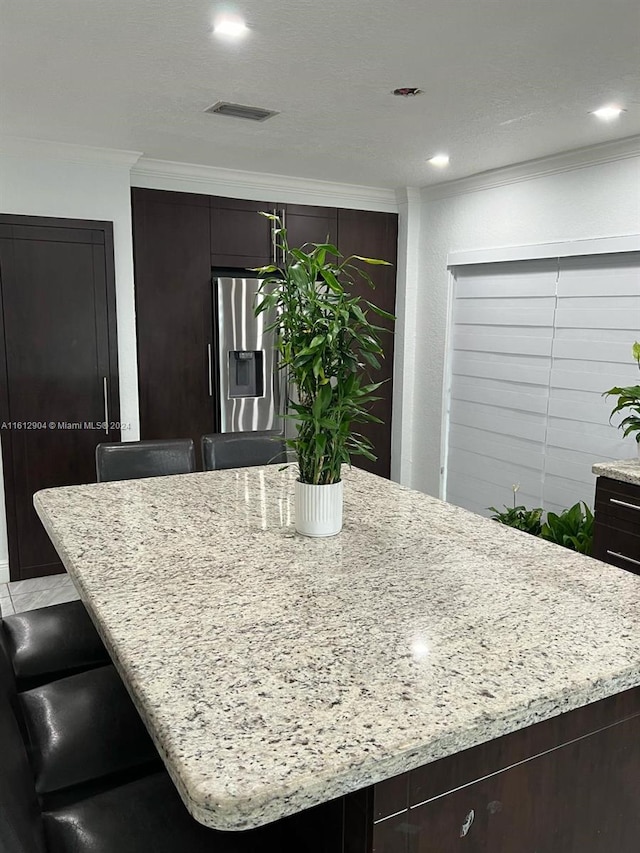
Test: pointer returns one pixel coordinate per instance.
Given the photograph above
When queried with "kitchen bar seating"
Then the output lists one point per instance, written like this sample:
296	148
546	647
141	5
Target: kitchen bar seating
242	450
131	460
80	731
51	642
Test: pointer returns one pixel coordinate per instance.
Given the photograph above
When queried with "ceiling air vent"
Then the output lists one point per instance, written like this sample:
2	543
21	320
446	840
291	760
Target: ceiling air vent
222	108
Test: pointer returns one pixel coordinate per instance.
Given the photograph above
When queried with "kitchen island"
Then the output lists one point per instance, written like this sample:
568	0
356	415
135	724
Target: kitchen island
422	658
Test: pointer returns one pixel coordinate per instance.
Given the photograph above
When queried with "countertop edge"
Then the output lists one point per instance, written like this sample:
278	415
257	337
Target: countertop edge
623	470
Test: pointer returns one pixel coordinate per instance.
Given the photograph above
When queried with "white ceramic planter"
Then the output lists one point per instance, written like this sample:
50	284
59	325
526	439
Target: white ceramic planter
318	509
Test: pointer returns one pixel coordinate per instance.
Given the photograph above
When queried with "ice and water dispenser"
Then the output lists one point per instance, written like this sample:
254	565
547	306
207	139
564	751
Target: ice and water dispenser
246	373
250	392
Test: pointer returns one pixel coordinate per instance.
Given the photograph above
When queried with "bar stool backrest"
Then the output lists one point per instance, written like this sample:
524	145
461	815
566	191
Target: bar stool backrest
130	460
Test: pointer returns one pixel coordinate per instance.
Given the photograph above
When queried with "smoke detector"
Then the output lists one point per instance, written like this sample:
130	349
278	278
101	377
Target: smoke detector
222	108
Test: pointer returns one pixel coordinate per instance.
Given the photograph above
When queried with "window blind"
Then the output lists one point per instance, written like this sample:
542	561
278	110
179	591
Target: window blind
501	338
534	344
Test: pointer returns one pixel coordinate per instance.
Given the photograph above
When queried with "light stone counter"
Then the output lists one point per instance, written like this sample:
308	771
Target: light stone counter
276	672
626	470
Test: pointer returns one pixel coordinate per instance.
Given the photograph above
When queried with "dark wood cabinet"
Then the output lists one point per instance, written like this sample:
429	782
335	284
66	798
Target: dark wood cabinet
58	368
567	785
307	224
172	260
179	238
375	235
616	537
240	237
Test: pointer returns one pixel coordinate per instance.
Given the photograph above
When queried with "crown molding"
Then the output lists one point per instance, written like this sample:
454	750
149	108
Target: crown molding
408	195
42	149
567	161
261	186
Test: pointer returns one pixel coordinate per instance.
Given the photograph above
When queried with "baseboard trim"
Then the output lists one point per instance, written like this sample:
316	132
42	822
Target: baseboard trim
4	571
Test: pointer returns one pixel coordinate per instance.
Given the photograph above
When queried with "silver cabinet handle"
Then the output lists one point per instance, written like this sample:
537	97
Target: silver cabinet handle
624	503
622	557
210	370
105	391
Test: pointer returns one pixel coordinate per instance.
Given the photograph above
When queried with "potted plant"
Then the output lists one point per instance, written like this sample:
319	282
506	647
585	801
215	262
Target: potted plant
628	401
326	343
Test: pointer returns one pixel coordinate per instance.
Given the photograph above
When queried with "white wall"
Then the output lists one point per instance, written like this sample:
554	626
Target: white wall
585	202
35	184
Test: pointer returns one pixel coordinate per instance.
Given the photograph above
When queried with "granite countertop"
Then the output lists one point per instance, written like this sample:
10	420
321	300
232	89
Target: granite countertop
276	672
626	470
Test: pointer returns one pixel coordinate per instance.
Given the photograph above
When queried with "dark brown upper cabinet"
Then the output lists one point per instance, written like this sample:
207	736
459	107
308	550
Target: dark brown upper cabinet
178	239
375	235
58	369
307	224
240	237
172	261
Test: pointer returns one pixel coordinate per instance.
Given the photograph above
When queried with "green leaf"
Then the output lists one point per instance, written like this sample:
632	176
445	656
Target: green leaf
373	261
371	359
380	312
359	313
331	281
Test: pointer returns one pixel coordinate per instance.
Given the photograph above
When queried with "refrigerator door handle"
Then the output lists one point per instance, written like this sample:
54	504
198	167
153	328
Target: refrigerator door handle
274	239
210	365
283	219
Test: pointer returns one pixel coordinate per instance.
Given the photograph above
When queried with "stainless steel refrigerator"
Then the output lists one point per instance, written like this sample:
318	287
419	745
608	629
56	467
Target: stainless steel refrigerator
251	389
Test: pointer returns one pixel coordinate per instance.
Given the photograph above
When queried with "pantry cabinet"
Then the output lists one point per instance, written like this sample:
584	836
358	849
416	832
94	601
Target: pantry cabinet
180	240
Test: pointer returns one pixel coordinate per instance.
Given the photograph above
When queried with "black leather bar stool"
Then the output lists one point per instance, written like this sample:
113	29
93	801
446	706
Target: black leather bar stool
242	449
78	730
130	460
51	642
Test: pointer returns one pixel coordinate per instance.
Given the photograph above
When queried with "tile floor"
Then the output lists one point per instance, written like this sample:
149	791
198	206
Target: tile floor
17	596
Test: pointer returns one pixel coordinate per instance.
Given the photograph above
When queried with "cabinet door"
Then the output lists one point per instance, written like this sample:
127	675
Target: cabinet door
375	235
307	224
240	237
579	798
58	369
173	314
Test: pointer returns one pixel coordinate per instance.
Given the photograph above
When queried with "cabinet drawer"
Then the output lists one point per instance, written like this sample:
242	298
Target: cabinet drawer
618	504
616	546
616	489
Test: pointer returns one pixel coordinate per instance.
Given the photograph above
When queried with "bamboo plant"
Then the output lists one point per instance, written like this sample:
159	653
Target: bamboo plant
327	344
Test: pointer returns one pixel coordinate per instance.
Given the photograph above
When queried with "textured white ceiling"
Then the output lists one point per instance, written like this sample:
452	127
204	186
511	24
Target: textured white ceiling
504	80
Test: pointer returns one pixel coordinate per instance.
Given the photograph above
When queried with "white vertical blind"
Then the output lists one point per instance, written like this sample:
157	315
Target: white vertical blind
502	337
597	320
534	344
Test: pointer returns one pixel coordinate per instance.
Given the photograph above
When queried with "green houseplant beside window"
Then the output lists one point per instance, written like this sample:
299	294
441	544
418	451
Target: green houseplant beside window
629	403
325	338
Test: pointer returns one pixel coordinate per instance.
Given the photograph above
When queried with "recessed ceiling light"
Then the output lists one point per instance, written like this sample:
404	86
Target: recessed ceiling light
233	27
439	160
608	113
